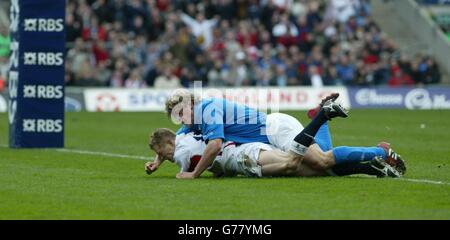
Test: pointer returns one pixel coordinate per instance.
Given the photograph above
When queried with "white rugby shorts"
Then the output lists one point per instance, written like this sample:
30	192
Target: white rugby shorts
281	130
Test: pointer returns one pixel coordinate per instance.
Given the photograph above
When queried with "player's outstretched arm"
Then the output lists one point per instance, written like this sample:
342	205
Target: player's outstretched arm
212	149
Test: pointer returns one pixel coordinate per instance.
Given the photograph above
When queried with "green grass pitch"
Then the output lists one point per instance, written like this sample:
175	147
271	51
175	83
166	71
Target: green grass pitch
50	184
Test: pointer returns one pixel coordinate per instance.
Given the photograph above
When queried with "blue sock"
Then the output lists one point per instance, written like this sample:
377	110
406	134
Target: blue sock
357	154
323	138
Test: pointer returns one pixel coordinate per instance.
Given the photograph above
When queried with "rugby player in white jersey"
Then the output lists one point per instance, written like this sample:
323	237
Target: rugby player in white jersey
250	159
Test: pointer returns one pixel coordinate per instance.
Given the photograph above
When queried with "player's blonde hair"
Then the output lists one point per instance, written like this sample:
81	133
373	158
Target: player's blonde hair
180	98
160	137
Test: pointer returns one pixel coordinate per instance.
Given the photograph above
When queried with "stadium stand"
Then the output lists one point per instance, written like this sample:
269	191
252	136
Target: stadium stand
170	43
438	2
440	12
410	23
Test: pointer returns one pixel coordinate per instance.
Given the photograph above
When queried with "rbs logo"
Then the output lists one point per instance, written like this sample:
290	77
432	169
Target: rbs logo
44	58
44	25
43	91
42	125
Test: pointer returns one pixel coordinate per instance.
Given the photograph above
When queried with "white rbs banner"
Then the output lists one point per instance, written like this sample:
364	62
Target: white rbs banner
273	99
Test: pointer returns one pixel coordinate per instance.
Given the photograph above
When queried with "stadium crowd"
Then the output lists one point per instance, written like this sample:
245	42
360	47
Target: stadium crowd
171	43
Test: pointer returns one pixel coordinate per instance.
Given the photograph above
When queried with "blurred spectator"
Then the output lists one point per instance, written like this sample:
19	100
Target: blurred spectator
217	75
239	72
281	78
342	10
4	42
315	78
73	27
201	27
103	9
94	31
121	71
331	77
345	70
2	84
284	27
102	74
4	56
432	72
135	80
167	80
398	77
187	77
85	75
100	52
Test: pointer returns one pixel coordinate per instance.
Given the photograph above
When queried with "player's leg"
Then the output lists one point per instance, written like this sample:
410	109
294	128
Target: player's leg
282	128
321	160
377	167
323	138
302	141
381	169
344	154
317	159
352	160
326	161
306	137
289	169
276	163
339	155
306	171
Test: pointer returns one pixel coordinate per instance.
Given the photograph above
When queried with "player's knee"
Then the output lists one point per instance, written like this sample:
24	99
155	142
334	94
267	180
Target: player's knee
320	165
328	159
323	161
292	167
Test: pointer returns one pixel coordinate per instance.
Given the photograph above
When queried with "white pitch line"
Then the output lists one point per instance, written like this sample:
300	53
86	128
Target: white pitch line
423	181
106	154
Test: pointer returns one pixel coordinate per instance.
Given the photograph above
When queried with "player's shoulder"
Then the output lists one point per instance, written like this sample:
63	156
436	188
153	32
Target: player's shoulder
182	136
182	130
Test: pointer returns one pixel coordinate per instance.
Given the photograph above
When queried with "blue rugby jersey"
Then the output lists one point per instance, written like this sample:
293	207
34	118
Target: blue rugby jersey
218	118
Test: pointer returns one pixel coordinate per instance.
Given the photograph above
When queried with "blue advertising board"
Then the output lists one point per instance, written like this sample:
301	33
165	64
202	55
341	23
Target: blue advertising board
404	97
36	76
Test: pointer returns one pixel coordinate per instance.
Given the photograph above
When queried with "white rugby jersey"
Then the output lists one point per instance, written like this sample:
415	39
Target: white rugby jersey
189	149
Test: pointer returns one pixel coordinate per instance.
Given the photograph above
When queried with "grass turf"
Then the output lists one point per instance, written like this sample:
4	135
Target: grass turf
48	184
